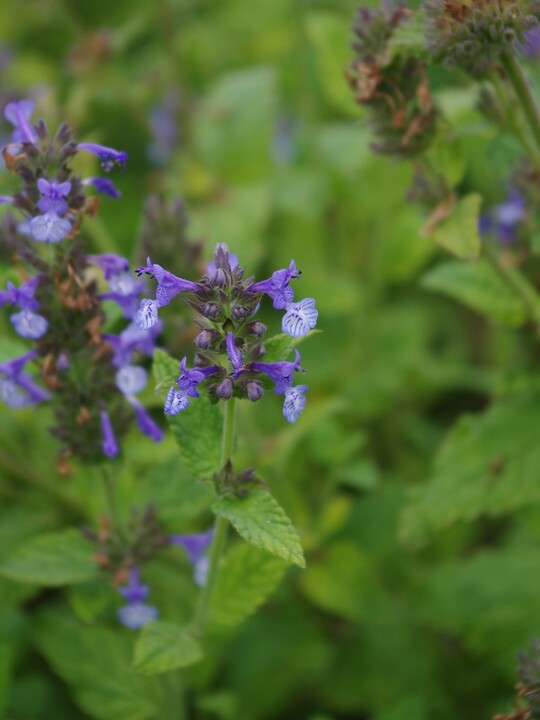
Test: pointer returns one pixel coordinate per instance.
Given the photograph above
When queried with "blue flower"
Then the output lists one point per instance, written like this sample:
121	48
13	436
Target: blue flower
235	356
52	196
169	285
105	186
176	402
130	380
109	444
300	318
147	314
189	379
18	390
277	286
136	612
196	545
109	156
124	290
294	402
18	114
281	373
23	296
49	227
29	325
131	339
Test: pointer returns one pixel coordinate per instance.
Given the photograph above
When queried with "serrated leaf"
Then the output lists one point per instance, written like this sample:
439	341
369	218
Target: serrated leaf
53	559
95	663
246	577
164	646
458	232
279	347
477	285
197	429
489	464
261	521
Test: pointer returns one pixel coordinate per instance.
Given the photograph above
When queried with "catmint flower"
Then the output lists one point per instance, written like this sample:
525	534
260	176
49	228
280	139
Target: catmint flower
29	325
52	196
6	200
124	289
176	401
49	227
190	379
169	285
136	613
130	380
105	186
504	219
109	445
110	263
18	114
109	157
235	356
195	546
294	402
530	47
281	373
147	314
277	286
23	296
18	390
300	318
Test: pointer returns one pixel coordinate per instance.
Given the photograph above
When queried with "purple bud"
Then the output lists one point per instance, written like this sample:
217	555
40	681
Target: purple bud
256	329
211	310
109	445
225	389
254	391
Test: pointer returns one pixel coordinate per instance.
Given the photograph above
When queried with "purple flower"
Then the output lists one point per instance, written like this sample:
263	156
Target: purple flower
277	286
164	129
294	402
105	186
503	219
19	114
235	356
531	43
49	227
281	373
130	380
176	402
221	251
124	290
190	379
169	285
53	193
144	422
109	156
109	445
29	325
6	199
136	612
16	389
300	318
110	263
147	314
131	339
195	545
23	296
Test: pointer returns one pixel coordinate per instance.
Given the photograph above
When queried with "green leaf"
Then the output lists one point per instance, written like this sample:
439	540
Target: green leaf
458	233
477	285
89	599
197	429
261	521
279	347
164	646
59	558
246	578
5	663
95	662
165	368
489	464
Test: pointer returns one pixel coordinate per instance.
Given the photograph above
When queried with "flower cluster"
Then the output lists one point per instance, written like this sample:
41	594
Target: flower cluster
473	35
57	297
393	86
503	220
228	362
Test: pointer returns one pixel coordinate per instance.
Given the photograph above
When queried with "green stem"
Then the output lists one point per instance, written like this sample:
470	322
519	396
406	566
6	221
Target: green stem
112	505
513	122
220	530
517	282
521	88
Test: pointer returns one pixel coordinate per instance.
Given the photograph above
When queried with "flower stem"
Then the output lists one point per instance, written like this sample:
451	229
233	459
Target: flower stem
521	88
220	530
112	506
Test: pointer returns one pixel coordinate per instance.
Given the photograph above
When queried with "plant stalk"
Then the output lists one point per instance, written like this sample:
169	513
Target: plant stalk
522	90
220	530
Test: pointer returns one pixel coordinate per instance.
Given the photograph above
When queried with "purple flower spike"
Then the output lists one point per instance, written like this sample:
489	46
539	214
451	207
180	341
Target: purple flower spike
277	286
195	545
53	193
49	227
281	373
169	285
29	325
19	114
110	263
189	379
147	314
300	318
176	402
104	186
235	356
109	156
294	402
109	445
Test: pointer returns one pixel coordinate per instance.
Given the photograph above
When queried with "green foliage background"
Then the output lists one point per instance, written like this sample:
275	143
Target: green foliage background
412	477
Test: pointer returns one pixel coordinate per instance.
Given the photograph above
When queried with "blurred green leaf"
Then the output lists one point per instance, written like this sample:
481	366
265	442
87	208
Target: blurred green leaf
261	521
246	577
162	646
59	558
5	662
477	285
488	464
96	663
279	347
458	232
89	599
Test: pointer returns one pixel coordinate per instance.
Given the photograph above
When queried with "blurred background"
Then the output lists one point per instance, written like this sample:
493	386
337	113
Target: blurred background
404	612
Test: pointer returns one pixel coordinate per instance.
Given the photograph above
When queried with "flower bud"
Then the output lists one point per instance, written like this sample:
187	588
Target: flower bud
256	329
225	389
211	310
239	312
254	391
205	339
